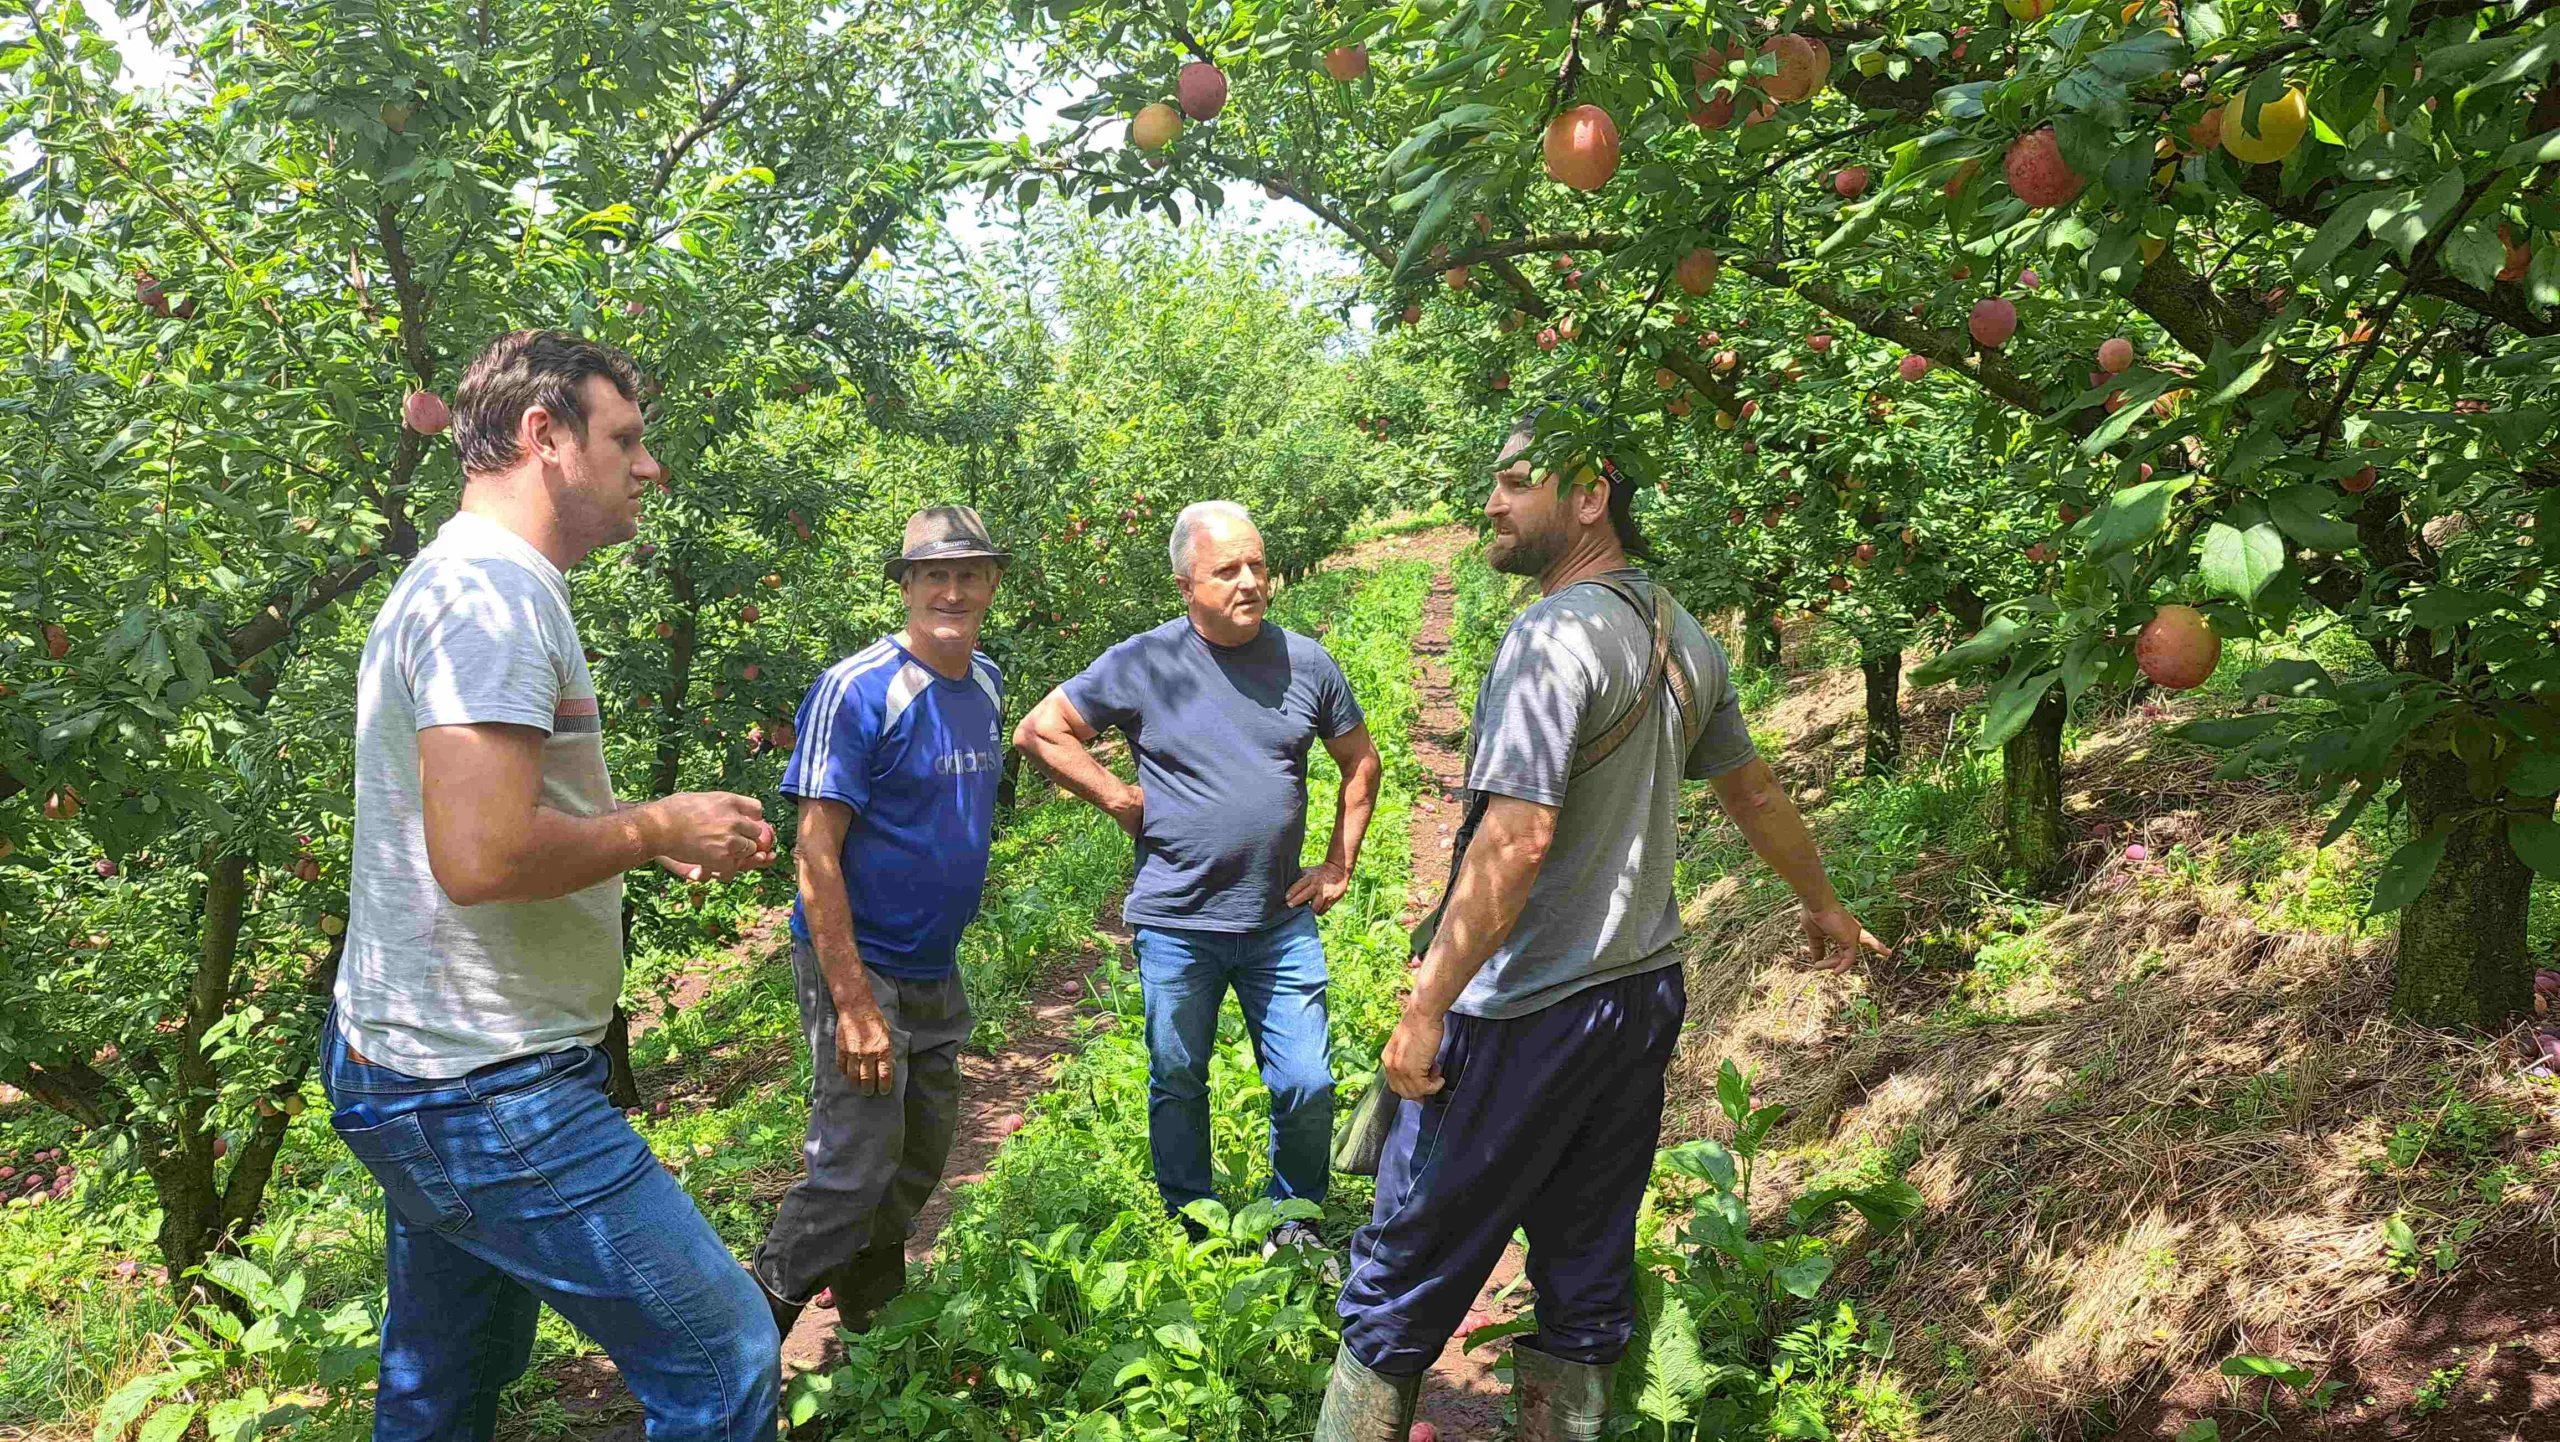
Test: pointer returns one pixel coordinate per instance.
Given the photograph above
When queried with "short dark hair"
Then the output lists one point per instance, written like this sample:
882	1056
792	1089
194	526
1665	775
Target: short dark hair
1622	494
521	370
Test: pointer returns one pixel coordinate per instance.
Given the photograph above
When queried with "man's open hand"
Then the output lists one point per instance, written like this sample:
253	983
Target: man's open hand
1836	938
1318	888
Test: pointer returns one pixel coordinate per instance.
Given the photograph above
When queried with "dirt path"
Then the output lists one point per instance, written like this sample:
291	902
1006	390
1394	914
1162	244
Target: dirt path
1461	1396
993	1088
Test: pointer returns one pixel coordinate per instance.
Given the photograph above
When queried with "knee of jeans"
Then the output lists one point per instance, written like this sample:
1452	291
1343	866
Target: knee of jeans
1178	1078
1299	1089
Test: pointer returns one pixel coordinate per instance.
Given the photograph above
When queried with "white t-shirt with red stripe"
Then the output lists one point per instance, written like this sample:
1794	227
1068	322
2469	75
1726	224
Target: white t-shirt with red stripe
478	630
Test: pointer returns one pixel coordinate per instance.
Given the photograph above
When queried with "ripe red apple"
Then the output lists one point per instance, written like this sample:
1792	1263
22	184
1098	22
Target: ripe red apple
2115	355
1726	360
1422	1432
1734	517
426	413
1008	1124
1411	315
2029	280
1750	409
1456	276
1866	552
105	866
1697	270
1913	367
1840	584
1716	114
1155	127
2039	553
666	630
748	613
2177	648
1821	343
1502	382
1910	537
62	804
2359	483
2037	173
1994	320
1347	63
2146	470
1582	148
1851	182
221	1148
306	870
1547	338
150	294
1798	68
1202	90
57	642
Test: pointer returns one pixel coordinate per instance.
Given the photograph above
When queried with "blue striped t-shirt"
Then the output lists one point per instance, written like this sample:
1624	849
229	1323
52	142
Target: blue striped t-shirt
917	755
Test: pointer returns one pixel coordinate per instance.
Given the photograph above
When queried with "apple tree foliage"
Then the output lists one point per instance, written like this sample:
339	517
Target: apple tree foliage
2325	231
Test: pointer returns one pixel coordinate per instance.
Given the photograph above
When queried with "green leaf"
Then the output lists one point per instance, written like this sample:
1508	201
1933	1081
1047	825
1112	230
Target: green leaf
1704	1159
2221	733
2302	511
2445	607
2475	253
2291	678
1804	1276
2345	226
2406	874
2532	60
2131	517
1674	1368
168	1424
1996	636
2536	840
2240	559
2536	773
2013	706
2250	1365
2203	1429
1733	1091
128	1401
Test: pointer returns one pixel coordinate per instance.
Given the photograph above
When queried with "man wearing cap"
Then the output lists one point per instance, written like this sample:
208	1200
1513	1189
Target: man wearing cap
900	748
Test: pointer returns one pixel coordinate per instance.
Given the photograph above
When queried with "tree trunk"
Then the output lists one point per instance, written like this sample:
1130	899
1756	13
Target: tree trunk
672	731
2031	794
1759	635
2463	957
180	1162
1884	711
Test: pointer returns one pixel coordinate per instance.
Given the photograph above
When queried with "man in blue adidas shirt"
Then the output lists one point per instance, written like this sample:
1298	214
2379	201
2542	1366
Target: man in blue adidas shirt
895	770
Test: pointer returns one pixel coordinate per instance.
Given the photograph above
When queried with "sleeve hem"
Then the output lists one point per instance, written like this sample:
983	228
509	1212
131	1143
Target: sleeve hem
824	793
1519	791
493	716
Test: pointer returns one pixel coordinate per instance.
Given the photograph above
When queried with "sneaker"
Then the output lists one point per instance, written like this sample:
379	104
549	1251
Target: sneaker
1303	1237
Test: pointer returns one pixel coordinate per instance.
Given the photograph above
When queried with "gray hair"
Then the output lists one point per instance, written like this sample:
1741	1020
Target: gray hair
1186	528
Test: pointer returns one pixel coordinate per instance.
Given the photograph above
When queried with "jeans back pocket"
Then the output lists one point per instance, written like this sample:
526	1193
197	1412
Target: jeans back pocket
413	1177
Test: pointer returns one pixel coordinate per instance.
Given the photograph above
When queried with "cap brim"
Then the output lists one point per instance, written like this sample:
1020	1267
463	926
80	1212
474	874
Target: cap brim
896	567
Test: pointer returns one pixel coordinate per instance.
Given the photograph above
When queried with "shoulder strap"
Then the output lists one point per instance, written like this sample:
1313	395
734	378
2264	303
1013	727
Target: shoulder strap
1661	671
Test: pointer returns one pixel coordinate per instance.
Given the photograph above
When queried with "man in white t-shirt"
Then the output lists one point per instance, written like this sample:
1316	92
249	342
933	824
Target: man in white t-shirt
484	945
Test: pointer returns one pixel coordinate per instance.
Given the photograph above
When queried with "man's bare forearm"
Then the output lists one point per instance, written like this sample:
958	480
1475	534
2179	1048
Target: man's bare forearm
1768	819
1073	767
828	908
1353	805
556	854
1484	902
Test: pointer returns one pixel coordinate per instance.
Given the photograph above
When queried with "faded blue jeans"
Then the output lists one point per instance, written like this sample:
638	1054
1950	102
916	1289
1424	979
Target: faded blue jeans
1279	978
520	1185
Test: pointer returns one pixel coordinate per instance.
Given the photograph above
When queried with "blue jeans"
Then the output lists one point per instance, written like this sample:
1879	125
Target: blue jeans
1279	979
520	1185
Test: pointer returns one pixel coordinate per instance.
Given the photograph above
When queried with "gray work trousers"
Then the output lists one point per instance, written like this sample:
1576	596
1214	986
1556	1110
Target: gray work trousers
872	1159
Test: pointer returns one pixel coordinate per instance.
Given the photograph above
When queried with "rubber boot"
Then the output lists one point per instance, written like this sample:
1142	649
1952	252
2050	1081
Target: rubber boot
786	1313
1560	1401
1365	1406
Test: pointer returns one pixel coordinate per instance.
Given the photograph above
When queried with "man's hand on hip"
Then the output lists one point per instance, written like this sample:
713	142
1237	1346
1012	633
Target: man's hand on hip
1129	809
1412	1057
1836	938
863	1051
1319	887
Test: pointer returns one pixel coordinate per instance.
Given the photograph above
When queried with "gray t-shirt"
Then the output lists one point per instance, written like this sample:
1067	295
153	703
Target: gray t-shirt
1221	736
1602	905
477	630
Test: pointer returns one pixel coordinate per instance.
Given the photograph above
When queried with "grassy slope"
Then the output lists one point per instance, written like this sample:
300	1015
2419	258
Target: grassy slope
2156	1113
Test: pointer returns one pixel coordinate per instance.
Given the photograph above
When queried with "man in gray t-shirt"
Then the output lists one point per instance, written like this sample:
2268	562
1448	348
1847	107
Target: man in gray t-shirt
484	945
1532	1050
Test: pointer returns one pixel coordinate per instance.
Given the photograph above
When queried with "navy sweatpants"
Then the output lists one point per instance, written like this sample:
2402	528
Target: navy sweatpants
1547	1123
